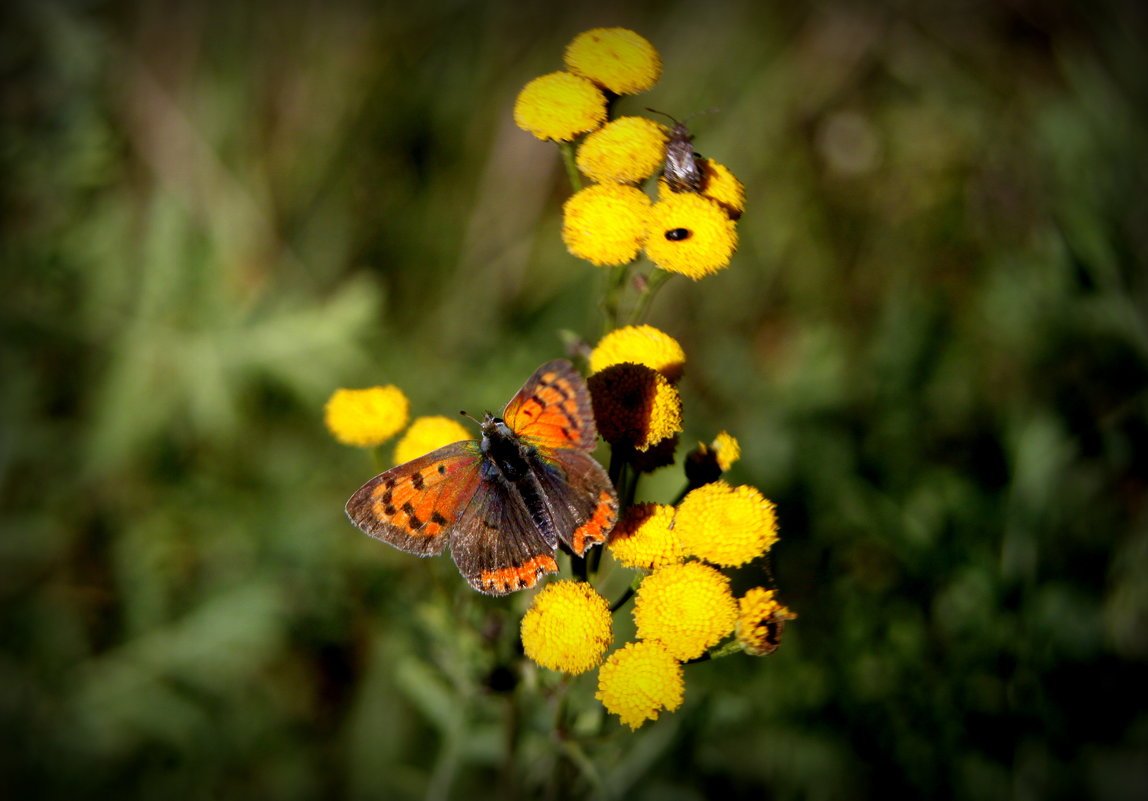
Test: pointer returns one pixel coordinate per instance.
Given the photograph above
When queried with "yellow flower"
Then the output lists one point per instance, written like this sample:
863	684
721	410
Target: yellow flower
644	537
640	344
706	463
366	417
615	58
690	234
428	433
719	185
726	525
760	621
605	223
567	628
687	607
627	150
727	449
638	680
634	405
559	106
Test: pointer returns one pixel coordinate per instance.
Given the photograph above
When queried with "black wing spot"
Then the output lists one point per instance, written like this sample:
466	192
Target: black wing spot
438	519
412	519
417	481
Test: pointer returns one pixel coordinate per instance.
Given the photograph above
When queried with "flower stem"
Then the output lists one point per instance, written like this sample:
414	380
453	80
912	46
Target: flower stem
567	150
656	281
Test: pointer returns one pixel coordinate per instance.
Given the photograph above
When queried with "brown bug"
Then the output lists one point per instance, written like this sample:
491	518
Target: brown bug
683	169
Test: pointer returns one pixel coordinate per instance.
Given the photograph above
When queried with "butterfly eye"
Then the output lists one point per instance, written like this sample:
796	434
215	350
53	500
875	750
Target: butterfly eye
678	234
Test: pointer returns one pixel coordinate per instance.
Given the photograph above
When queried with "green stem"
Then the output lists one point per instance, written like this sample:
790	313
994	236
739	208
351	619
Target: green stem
656	281
567	150
612	297
618	604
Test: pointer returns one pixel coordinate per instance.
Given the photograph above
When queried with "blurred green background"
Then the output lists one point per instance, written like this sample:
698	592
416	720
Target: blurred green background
932	345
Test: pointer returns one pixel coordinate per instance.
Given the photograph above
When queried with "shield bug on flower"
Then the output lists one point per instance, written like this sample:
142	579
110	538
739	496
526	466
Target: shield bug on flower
683	168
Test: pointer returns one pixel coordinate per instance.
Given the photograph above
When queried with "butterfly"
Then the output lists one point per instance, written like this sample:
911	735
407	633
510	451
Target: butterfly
503	503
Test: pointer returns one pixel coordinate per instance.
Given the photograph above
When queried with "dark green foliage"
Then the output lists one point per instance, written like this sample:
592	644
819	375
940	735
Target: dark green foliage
932	346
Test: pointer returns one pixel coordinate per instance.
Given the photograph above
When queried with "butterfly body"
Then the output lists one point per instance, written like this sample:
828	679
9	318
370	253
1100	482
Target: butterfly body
506	502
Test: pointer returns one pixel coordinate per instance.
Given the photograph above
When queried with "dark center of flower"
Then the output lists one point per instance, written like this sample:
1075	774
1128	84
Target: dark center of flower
678	234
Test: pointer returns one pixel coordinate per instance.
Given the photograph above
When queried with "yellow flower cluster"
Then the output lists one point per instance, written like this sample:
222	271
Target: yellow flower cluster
640	344
567	628
428	433
687	607
760	621
605	223
644	537
690	232
638	680
684	607
726	525
366	417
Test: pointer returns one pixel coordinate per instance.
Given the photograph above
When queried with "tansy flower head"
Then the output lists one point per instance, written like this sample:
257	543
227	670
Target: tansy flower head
690	234
615	58
640	344
634	405
426	434
760	621
638	680
726	525
706	463
627	150
644	537
559	106
719	185
687	607
658	455
605	223
366	417
567	628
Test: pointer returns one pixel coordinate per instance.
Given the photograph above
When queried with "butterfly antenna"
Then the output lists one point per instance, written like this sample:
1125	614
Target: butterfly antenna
467	414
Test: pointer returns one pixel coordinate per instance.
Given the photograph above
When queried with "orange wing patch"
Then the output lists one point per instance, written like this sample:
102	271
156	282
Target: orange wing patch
551	415
404	504
516	577
599	526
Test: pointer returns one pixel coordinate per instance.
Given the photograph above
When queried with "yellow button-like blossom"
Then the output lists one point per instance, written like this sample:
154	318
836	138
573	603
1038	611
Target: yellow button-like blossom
719	185
615	58
567	628
638	681
640	344
690	234
627	150
688	607
634	405
366	417
428	433
727	450
605	223
559	106
645	538
706	463
726	525
760	621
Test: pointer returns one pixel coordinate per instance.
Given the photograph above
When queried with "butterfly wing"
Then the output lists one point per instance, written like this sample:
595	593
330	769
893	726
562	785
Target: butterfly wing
415	505
552	410
496	544
581	497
